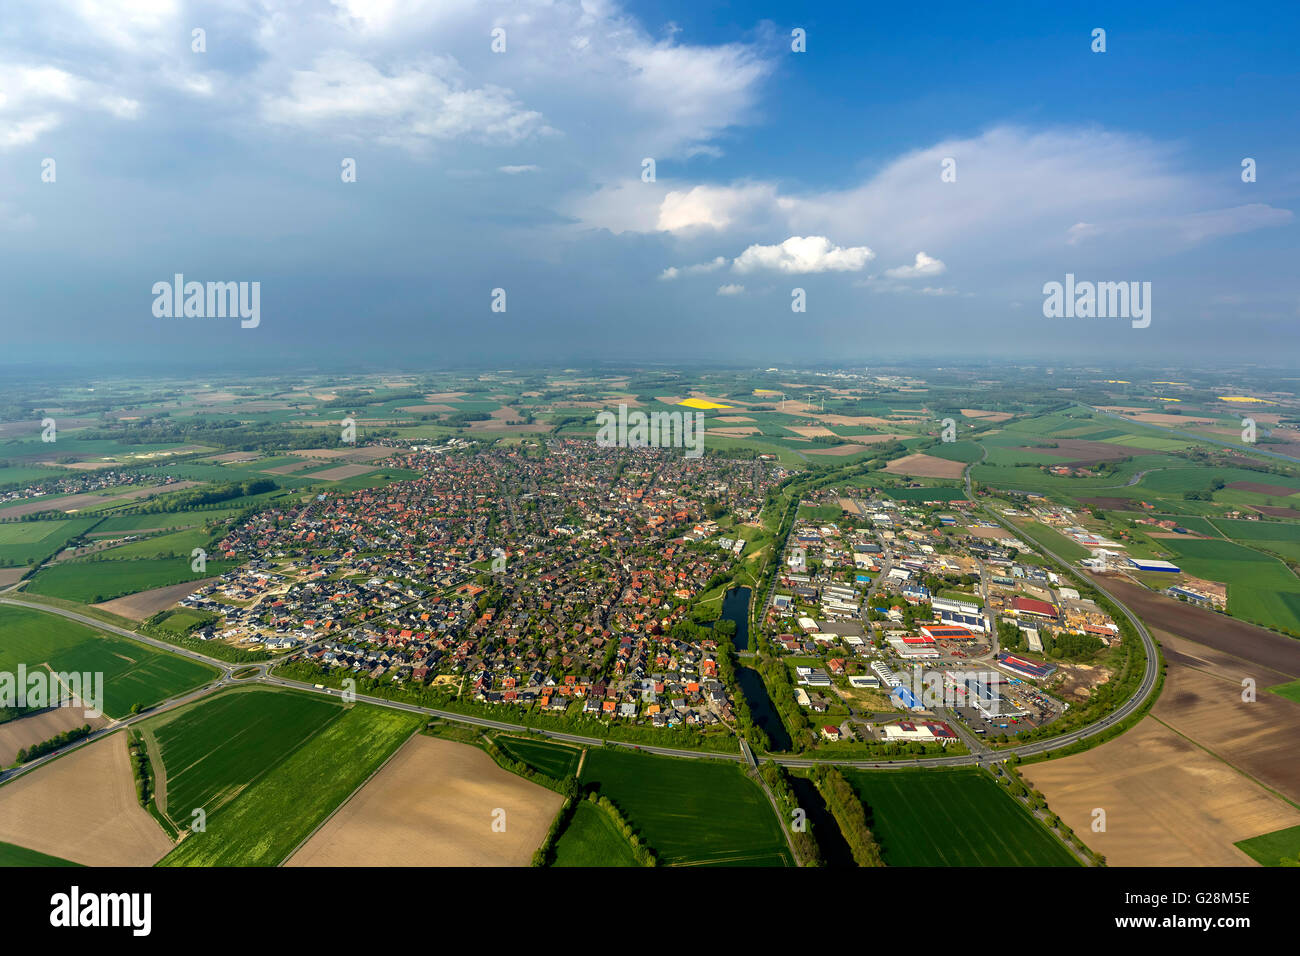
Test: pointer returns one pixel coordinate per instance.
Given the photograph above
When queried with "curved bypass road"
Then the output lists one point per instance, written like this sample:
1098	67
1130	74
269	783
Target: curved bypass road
264	677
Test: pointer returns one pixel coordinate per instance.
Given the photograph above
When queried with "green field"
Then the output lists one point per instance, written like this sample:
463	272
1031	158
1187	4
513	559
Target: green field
1261	589
90	582
1290	690
175	544
957	817
692	812
213	749
554	760
267	821
1271	849
821	513
11	855
933	493
23	541
183	620
592	839
133	673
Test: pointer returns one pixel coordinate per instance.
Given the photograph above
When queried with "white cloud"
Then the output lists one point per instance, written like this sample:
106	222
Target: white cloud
409	106
711	207
803	254
731	288
35	99
672	272
923	266
516	170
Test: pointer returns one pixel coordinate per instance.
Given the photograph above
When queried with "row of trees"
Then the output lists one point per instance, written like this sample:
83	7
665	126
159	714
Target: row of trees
54	743
850	814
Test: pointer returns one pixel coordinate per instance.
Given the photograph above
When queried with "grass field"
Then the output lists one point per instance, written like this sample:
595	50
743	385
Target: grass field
133	673
821	512
182	621
214	749
12	855
23	541
934	493
957	817
172	544
692	812
554	760
1261	589
1271	849
592	839
90	582
278	811
1291	691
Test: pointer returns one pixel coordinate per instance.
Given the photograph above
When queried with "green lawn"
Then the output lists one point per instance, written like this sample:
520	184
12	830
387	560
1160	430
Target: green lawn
133	673
215	748
1271	849
553	759
90	582
692	812
266	822
11	855
957	817
592	839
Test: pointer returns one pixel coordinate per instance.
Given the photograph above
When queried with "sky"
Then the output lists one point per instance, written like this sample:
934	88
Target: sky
646	182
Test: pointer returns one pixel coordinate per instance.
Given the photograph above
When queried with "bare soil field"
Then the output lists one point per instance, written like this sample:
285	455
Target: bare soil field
926	466
495	425
1167	802
433	805
838	451
444	396
10	576
811	431
367	453
732	419
876	439
868	421
1079	680
83	808
1250	735
36	728
1259	488
289	468
148	603
736	432
236	456
1112	504
425	409
343	471
1276	511
1083	452
986	415
1252	644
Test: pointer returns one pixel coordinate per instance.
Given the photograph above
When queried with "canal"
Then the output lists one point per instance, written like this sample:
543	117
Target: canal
835	849
735	608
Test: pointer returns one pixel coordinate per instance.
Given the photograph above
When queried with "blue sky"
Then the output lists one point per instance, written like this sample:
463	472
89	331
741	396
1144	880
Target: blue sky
522	170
